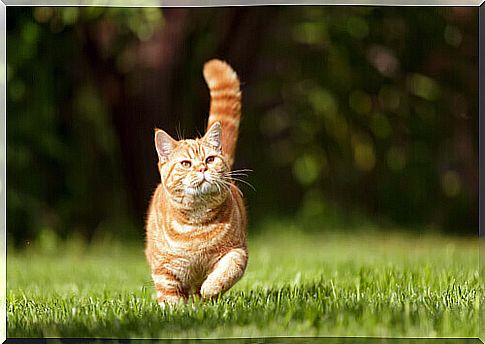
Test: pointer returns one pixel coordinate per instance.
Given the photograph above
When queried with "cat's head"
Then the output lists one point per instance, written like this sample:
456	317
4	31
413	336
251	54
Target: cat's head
194	171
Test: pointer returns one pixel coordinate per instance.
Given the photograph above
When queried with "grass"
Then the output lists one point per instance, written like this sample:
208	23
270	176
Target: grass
374	284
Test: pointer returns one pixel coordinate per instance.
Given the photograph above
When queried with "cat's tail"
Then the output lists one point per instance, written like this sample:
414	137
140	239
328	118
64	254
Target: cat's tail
225	103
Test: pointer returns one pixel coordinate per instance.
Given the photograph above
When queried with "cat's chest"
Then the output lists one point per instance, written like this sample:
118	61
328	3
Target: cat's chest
184	228
193	239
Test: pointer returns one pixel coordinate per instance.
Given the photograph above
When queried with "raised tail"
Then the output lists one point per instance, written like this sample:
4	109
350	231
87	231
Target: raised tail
225	103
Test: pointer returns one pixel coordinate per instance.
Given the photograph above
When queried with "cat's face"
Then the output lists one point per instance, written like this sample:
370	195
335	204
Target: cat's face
194	171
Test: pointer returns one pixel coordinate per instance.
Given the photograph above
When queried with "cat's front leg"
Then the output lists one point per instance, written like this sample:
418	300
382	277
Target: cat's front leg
168	287
226	272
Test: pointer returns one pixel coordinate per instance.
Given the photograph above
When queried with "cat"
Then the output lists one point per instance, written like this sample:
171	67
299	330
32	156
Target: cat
196	223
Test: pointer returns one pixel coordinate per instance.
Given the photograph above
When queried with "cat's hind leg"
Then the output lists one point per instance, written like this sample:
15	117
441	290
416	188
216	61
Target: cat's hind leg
226	272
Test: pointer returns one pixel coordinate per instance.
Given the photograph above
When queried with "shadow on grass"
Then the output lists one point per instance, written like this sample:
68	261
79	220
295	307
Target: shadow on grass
312	309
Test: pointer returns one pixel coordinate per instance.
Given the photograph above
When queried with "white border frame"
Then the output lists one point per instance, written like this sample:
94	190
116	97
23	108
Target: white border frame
148	3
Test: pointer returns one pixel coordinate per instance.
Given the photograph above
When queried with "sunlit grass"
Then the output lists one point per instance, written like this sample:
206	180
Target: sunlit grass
376	284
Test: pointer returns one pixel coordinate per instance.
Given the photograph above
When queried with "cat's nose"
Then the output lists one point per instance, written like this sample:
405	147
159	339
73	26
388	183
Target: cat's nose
202	168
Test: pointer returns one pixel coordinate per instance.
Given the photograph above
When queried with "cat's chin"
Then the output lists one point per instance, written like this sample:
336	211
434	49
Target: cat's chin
203	189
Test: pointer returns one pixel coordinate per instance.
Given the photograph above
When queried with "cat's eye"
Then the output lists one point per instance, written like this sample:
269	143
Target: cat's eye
210	159
186	163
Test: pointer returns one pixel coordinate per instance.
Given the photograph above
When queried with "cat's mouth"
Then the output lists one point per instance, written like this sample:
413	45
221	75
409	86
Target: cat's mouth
203	180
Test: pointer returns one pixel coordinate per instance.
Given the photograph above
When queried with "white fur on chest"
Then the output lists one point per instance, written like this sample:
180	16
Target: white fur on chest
185	228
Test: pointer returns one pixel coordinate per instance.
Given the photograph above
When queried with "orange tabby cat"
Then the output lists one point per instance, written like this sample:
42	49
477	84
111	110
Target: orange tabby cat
196	225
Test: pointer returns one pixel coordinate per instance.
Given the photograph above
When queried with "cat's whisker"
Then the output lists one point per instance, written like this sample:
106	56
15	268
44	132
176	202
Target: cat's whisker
229	183
228	186
236	174
245	170
244	182
240	191
218	187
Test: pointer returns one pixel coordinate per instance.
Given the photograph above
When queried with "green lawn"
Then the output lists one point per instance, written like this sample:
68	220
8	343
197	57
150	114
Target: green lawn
380	284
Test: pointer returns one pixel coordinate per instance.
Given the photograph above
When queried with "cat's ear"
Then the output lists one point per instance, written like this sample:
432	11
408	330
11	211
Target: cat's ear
213	136
164	145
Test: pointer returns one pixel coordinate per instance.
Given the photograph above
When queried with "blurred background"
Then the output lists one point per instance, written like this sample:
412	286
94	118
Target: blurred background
352	116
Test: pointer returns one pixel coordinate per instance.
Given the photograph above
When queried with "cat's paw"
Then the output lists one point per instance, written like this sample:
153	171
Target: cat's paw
170	301
210	290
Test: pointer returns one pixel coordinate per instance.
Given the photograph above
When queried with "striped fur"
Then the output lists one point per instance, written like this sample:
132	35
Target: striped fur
196	224
225	103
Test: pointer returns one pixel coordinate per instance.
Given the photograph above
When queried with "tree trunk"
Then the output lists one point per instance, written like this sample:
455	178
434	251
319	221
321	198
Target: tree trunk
148	97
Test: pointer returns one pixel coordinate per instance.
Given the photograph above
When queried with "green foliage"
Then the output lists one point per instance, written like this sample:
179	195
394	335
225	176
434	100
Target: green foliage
296	284
365	110
63	157
373	108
